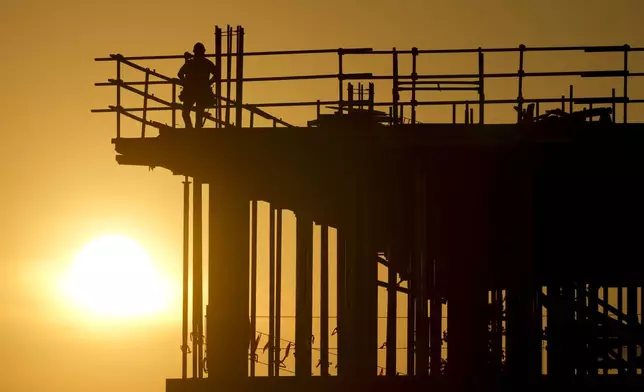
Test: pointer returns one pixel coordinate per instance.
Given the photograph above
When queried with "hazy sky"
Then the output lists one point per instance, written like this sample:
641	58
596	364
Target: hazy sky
61	186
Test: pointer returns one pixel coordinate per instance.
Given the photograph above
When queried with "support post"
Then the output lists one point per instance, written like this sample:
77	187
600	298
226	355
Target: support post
344	351
620	317
606	328
411	328
324	300
197	284
304	297
253	285
419	273
271	291
228	274
186	261
278	291
392	301
633	322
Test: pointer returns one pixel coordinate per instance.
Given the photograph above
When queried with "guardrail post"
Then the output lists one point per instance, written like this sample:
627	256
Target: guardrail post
118	98
614	106
340	80
414	77
174	105
239	75
626	50
394	89
145	102
218	75
520	92
229	68
481	87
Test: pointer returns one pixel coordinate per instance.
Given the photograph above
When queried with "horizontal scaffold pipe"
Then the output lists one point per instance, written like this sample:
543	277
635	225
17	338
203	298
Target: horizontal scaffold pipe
593	100
419	78
588	49
264	53
446	102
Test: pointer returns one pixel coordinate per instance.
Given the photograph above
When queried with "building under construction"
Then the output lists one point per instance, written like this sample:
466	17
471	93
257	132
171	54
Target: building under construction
515	246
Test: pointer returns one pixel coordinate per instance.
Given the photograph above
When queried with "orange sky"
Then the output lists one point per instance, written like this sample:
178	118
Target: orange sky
62	186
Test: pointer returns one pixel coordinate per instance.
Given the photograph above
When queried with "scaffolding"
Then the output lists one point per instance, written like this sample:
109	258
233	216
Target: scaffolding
566	309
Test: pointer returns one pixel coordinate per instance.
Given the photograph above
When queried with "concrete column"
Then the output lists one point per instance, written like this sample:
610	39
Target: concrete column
228	276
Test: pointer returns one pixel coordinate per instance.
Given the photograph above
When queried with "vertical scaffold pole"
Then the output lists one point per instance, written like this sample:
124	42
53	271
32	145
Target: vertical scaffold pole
414	77
342	309
303	295
520	92
145	101
481	87
186	261
394	88
614	106
620	318
197	296
633	321
218	75
174	105
271	291
239	74
392	299
118	97
278	289
253	284
626	50
229	69
324	300
340	80
419	273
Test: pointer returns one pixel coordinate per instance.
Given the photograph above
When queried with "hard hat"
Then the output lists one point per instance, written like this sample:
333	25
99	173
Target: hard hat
199	48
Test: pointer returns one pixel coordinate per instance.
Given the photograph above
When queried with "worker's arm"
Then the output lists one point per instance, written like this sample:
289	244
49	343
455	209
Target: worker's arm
182	73
213	71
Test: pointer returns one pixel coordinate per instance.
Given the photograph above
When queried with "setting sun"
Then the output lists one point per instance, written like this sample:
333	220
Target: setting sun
114	277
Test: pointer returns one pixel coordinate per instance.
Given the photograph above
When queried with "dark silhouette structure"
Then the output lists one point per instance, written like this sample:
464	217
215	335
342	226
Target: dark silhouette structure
516	246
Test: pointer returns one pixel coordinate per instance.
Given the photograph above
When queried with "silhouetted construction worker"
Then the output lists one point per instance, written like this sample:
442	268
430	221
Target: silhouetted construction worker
196	76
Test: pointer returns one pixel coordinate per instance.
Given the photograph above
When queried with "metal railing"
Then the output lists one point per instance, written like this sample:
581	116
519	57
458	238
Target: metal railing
412	83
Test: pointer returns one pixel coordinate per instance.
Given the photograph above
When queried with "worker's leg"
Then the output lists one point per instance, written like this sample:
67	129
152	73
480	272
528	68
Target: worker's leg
200	108
187	106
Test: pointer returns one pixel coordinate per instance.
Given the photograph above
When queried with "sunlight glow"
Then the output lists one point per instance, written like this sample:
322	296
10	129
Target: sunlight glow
113	277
